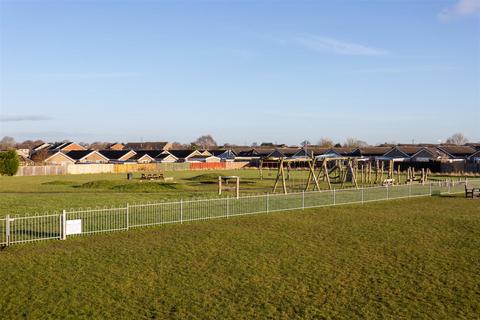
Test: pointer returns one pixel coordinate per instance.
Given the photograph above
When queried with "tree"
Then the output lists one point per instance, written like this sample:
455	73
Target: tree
325	142
354	143
337	145
206	141
40	155
9	162
7	143
458	139
98	145
305	143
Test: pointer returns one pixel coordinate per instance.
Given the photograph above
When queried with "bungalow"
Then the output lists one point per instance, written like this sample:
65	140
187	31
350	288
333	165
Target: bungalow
455	152
224	155
203	158
247	155
87	156
183	155
369	153
118	155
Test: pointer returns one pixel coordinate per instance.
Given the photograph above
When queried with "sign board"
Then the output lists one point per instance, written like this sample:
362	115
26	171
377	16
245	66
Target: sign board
73	227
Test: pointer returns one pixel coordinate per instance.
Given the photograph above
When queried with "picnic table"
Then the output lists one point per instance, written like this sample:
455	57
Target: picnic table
155	176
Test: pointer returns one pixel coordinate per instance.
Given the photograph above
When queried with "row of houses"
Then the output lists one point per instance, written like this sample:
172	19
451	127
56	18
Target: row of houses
438	158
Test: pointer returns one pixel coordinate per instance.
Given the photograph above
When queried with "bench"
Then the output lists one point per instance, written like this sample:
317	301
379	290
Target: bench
472	192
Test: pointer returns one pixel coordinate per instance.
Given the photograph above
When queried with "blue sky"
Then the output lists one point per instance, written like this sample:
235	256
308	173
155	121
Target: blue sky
244	71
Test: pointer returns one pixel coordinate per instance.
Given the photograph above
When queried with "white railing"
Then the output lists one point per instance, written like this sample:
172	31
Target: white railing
21	229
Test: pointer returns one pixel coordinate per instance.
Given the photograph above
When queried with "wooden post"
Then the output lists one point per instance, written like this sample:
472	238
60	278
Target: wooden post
238	187
219	185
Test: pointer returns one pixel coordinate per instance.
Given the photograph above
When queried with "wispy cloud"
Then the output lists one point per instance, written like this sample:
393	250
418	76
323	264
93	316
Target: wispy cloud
16	118
461	8
83	75
331	45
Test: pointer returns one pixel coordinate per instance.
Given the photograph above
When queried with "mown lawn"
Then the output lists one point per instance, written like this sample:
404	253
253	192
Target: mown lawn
416	258
47	194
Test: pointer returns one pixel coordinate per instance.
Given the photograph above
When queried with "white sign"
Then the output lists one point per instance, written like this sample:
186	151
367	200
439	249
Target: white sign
73	227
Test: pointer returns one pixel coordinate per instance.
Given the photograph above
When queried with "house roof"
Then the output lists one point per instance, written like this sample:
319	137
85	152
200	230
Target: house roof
457	151
159	145
81	154
219	152
116	154
151	153
370	151
182	154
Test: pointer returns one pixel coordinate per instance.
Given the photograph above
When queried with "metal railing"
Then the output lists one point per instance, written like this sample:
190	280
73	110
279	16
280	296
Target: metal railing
21	229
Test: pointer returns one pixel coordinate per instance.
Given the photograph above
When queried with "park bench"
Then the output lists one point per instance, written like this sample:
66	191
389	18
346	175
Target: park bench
472	192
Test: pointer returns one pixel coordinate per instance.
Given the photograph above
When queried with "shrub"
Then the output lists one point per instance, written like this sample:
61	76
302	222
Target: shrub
9	162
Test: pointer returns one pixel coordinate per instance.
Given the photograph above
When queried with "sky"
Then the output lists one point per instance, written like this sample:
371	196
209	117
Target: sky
242	71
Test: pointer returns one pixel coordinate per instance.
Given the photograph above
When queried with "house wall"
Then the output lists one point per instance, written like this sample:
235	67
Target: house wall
59	159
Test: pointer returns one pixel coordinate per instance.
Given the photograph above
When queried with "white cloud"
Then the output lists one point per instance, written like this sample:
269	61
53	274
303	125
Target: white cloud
83	75
460	9
16	118
325	44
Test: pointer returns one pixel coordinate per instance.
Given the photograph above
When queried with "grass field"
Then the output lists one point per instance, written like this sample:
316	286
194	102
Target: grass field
27	195
414	258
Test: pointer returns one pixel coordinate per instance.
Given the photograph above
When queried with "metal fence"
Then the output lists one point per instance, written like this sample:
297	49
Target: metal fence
21	229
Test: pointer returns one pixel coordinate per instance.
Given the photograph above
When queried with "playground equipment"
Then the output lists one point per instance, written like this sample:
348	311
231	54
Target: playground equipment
224	180
284	164
336	169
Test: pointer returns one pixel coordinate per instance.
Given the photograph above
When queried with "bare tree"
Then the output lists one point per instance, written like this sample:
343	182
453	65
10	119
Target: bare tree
354	143
206	141
305	143
40	155
178	145
458	139
7	143
325	142
98	145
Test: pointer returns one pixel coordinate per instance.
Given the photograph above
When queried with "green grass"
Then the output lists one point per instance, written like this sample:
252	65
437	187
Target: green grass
26	195
413	258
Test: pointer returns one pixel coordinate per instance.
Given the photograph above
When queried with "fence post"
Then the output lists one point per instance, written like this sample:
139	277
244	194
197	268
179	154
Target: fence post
127	215
410	190
181	211
431	189
267	202
303	200
7	230
226	199
64	224
362	195
388	197
334	197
